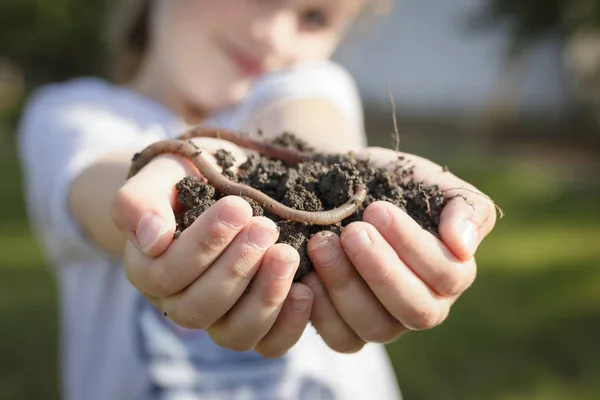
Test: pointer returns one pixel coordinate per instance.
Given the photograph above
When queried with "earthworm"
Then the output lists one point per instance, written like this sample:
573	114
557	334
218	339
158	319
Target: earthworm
269	149
226	186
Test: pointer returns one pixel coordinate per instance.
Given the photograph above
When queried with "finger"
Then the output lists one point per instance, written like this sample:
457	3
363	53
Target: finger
255	313
398	288
290	324
143	206
423	253
328	322
469	214
351	296
192	253
210	296
466	220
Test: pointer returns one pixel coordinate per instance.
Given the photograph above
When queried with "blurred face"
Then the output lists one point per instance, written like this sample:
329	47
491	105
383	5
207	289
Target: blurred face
210	51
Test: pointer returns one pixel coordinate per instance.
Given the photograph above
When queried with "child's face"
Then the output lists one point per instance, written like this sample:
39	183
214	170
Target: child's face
212	50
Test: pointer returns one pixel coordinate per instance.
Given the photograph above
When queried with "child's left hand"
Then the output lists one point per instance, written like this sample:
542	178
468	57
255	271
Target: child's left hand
385	275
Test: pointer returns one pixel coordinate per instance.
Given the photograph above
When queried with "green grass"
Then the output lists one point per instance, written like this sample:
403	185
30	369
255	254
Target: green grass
28	301
527	329
529	326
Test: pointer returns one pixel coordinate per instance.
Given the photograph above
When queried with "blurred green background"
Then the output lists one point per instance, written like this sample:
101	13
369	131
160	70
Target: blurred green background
529	328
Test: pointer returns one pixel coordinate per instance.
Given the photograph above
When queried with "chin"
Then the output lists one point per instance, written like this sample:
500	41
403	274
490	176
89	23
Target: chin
239	92
229	95
215	95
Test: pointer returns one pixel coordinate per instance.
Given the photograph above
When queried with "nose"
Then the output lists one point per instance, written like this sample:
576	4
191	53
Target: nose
275	33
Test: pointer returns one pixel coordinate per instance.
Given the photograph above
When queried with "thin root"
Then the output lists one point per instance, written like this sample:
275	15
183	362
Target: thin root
500	211
395	119
427	197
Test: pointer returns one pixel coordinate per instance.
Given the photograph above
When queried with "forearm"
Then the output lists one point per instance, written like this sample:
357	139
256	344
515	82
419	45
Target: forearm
315	120
93	193
90	199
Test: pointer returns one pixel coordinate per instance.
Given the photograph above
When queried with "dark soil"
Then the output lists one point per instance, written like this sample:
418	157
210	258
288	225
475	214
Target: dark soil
322	184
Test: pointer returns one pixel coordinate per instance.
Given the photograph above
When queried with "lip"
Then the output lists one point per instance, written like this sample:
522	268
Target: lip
244	62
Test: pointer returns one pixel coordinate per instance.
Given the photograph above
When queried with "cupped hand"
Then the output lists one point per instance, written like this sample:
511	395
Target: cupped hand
200	280
385	275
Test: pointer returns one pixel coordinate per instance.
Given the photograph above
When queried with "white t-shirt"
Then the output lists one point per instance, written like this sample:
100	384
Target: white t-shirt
114	344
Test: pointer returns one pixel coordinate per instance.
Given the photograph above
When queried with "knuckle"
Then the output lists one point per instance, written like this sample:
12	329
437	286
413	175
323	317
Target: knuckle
162	281
190	317
378	333
449	282
270	352
422	318
312	281
240	345
242	269
404	246
212	241
379	275
272	295
347	346
234	343
194	320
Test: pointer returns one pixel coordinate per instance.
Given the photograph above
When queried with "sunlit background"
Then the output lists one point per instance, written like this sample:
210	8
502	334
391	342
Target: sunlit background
506	93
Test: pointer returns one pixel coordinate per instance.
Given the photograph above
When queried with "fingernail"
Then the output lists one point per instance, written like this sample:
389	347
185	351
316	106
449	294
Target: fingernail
149	230
357	241
300	304
325	253
282	267
230	215
380	217
260	236
469	235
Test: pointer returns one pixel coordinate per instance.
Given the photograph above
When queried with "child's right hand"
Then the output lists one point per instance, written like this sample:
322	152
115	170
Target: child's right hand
199	279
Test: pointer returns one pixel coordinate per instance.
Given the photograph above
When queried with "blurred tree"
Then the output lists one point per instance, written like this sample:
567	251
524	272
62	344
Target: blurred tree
47	40
575	23
53	39
527	20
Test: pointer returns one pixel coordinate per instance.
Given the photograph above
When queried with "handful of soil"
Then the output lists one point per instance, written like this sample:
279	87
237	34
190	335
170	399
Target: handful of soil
325	182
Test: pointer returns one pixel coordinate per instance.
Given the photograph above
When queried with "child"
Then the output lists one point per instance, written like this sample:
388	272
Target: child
148	317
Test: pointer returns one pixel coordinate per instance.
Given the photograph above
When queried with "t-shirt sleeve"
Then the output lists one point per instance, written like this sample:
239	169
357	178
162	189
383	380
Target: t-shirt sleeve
59	136
322	79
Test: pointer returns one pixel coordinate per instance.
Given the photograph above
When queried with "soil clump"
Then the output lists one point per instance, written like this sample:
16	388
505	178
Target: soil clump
326	182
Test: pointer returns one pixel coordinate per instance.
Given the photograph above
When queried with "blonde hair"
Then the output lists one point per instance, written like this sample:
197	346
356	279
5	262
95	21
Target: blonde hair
129	34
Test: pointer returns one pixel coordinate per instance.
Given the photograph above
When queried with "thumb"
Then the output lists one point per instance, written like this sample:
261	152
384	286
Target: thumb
143	206
466	220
